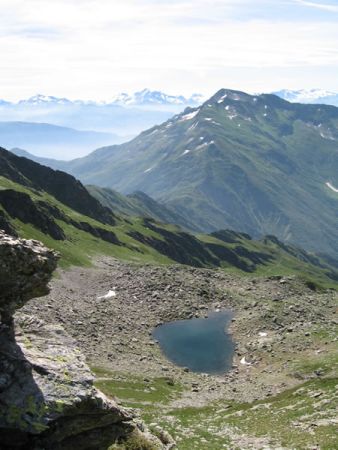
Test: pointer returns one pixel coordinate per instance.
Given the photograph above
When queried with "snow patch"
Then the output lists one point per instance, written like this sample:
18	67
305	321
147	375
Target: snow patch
185	152
110	294
222	98
194	125
245	362
189	116
148	170
204	145
330	186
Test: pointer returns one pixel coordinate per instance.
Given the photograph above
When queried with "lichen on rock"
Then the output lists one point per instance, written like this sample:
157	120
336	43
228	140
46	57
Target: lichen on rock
47	396
26	266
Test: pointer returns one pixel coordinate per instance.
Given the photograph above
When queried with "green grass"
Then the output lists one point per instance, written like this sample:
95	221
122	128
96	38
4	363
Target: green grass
81	247
298	418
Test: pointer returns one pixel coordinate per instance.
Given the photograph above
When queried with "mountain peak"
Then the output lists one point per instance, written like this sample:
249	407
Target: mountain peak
40	99
147	97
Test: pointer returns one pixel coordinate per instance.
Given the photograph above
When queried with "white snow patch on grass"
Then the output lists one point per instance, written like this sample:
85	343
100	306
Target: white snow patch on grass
194	125
189	116
204	145
222	98
185	152
330	186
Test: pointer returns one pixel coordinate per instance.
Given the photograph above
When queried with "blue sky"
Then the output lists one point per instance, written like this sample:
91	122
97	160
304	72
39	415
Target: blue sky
97	48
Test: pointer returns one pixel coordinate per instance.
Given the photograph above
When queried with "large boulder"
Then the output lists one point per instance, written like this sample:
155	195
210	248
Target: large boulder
26	267
47	397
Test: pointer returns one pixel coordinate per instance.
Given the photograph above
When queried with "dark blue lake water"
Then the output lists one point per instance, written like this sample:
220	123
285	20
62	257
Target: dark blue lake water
202	345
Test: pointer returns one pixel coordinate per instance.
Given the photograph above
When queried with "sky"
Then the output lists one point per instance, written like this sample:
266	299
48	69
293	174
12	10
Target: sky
94	49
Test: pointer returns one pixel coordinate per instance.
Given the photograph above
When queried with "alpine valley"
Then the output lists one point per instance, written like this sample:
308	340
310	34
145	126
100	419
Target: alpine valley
226	208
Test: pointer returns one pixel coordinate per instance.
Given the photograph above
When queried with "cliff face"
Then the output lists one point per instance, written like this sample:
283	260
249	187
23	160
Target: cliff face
47	397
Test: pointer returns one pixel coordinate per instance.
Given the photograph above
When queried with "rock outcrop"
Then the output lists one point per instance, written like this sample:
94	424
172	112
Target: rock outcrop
25	270
47	397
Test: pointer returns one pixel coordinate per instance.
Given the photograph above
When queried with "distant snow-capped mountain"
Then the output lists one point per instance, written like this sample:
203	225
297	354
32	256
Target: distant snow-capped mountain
122	117
309	96
40	99
148	97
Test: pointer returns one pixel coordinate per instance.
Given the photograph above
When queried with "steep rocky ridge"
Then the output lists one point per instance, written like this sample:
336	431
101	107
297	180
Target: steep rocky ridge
60	185
47	396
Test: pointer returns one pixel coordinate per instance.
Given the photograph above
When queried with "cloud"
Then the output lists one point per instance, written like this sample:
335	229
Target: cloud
322	6
91	48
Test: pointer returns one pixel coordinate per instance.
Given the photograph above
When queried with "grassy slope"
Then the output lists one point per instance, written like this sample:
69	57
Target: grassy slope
299	418
81	246
159	243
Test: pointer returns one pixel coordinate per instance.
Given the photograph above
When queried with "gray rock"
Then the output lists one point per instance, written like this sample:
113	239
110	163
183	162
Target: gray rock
47	397
25	270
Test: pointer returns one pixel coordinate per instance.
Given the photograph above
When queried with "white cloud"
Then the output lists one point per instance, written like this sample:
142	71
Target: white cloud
322	6
91	48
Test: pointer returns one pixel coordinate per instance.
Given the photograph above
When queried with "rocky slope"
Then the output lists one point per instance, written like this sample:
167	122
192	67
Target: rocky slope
256	164
47	395
284	328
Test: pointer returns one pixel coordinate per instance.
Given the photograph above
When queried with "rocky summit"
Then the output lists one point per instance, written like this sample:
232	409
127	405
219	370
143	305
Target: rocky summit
47	396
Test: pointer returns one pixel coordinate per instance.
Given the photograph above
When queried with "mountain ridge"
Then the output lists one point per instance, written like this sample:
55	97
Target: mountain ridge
257	164
79	227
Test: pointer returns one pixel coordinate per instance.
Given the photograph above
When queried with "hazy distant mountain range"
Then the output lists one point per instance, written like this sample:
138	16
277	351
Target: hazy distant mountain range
53	141
61	128
125	114
309	96
56	127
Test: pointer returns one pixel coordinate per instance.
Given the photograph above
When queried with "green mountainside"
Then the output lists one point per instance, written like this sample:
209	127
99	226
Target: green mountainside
138	204
52	206
257	164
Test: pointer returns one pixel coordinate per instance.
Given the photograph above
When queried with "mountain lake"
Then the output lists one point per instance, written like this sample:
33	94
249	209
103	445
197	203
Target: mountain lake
201	345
